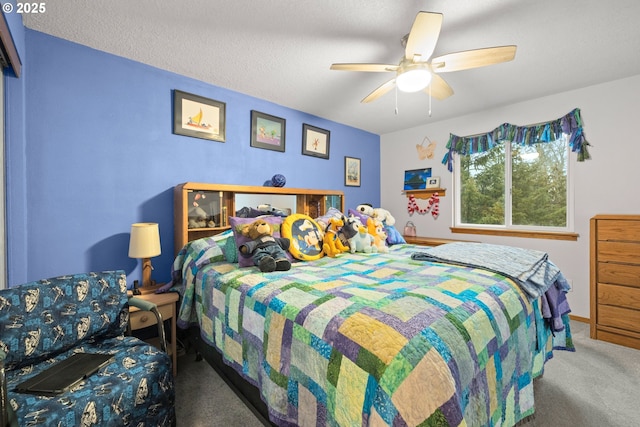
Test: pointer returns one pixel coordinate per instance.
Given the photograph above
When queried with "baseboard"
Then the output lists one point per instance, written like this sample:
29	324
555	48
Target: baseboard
579	319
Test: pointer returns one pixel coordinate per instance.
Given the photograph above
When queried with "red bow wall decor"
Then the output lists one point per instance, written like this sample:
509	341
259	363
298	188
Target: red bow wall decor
433	205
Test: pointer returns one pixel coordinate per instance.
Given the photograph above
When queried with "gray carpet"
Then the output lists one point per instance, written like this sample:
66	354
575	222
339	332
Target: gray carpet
597	386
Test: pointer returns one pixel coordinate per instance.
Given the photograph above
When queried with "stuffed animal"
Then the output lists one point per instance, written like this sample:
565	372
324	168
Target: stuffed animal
332	245
362	242
376	229
323	221
197	217
380	214
348	230
268	252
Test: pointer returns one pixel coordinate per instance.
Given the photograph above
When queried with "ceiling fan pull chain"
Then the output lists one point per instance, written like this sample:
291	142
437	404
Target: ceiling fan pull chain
429	100
396	100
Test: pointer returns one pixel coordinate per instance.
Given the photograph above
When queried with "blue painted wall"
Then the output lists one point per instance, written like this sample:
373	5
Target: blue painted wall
99	155
15	159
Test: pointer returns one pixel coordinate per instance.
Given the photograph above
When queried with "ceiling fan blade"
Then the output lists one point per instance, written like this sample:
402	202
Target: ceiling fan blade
473	58
423	35
381	90
364	67
439	88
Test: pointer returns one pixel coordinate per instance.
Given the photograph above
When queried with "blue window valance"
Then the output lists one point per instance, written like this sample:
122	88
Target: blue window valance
569	124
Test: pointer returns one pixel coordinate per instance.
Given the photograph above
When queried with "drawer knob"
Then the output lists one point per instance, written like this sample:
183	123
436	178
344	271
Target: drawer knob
144	318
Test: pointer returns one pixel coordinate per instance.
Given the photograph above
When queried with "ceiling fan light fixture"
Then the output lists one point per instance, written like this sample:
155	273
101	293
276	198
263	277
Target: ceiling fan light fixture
413	79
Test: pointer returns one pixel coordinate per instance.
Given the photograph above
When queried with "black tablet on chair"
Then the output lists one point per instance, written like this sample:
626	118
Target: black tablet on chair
63	375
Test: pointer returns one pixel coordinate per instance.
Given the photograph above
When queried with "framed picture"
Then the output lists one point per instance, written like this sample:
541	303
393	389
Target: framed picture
267	131
198	117
351	171
433	182
416	179
315	141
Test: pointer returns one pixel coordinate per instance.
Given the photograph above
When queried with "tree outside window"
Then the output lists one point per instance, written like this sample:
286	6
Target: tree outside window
527	192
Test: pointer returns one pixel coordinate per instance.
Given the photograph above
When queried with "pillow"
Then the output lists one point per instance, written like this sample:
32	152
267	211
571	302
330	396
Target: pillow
332	212
195	254
227	244
204	251
305	235
230	250
247	212
362	217
239	239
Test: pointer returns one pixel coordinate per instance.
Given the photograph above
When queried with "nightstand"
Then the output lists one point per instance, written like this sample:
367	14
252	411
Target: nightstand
166	303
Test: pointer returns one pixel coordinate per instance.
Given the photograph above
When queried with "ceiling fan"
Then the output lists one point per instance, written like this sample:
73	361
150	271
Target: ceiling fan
416	71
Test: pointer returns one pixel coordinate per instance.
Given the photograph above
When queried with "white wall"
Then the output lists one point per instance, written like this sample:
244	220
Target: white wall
608	183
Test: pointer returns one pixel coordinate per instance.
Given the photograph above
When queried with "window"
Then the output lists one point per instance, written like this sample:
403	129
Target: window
515	186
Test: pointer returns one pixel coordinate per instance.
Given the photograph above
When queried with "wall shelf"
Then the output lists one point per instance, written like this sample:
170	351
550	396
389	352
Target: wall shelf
425	193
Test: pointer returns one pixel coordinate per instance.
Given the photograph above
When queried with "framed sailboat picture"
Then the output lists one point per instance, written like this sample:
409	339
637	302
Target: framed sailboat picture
198	117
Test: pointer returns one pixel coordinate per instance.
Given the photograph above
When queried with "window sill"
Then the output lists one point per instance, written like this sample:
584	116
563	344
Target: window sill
553	235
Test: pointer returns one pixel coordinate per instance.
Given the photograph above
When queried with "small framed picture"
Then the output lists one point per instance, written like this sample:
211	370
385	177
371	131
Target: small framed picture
433	182
198	117
315	141
416	179
351	171
267	131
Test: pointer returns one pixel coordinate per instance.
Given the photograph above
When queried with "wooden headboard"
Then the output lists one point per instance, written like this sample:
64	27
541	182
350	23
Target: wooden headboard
203	210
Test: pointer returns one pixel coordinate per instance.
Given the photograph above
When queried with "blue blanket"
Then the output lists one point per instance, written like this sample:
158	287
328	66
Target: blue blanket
531	269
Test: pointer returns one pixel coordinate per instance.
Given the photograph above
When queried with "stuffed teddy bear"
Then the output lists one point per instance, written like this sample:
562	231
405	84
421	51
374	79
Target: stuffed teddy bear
268	252
197	217
382	215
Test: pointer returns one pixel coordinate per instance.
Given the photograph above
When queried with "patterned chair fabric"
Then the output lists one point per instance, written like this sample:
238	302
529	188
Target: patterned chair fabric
44	322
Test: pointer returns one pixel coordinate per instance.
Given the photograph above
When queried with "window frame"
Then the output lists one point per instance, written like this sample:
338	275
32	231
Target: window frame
509	229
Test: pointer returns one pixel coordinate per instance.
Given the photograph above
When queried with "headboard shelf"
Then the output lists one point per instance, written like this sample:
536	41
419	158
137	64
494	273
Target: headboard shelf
202	209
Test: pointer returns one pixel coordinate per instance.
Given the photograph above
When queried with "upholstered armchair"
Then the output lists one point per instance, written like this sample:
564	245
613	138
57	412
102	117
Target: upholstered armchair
46	321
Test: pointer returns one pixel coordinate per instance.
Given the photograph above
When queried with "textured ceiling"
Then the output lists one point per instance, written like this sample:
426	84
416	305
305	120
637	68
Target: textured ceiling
281	50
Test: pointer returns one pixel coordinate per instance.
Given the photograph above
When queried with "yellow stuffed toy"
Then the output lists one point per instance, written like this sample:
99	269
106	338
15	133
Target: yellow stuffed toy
376	229
332	245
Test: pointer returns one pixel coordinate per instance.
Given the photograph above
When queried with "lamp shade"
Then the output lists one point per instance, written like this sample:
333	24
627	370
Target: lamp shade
145	240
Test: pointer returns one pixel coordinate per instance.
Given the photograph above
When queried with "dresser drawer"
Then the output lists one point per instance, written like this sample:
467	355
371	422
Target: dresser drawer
141	319
619	229
621	296
620	337
618	317
619	274
625	252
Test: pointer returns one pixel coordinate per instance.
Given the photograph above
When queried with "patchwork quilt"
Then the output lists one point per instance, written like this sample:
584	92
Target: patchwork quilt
372	339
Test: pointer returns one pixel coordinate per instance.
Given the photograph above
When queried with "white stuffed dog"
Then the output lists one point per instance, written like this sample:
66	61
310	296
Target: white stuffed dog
379	214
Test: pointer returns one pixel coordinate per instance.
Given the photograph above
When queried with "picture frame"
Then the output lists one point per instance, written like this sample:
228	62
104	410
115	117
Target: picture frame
351	171
198	117
267	131
416	179
433	182
315	141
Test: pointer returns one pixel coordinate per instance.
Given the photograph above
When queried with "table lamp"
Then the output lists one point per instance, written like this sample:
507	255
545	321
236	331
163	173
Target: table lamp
144	244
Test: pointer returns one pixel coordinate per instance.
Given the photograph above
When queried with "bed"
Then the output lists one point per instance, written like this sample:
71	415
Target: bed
398	338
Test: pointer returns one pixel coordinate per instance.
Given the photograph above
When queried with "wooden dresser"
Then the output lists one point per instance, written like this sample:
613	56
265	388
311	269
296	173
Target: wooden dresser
615	279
